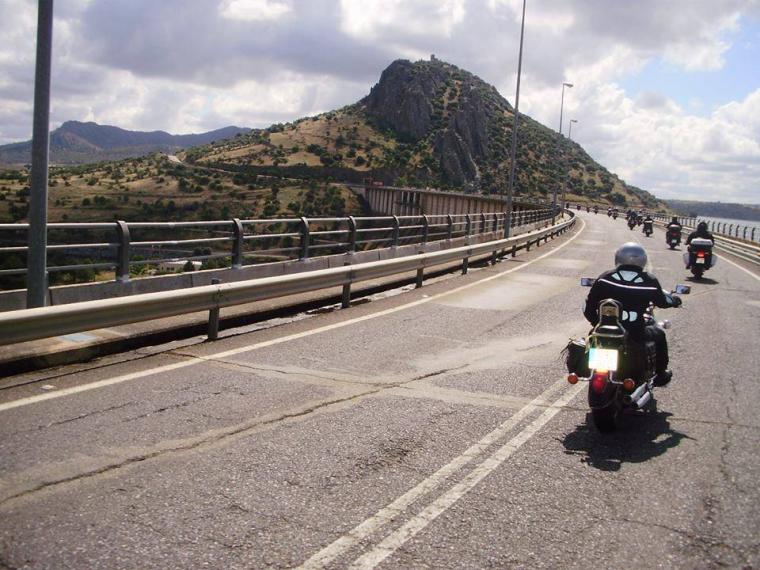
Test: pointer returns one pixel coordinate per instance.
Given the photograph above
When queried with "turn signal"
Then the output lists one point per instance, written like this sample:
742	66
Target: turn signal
572	378
628	385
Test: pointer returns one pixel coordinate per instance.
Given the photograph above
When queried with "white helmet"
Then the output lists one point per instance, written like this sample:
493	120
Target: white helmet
631	253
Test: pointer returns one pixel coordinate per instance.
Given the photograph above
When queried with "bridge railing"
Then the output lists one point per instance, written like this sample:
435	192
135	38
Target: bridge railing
129	248
736	230
45	322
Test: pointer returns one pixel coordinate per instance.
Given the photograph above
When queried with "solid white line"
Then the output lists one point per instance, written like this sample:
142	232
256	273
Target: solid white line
224	354
398	506
397	539
747	271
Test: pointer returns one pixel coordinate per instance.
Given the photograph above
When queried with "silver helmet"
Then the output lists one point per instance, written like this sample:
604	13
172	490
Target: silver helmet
631	253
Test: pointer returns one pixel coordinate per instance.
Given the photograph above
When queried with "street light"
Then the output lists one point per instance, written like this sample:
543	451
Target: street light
570	138
559	141
37	274
508	219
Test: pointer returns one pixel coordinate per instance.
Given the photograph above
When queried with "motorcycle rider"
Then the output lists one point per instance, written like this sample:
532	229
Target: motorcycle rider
673	226
634	289
701	232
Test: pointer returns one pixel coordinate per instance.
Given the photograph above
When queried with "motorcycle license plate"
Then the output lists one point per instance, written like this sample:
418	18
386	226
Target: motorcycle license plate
603	359
674	241
700	260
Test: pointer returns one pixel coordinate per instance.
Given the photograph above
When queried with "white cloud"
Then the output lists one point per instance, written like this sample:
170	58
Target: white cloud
254	9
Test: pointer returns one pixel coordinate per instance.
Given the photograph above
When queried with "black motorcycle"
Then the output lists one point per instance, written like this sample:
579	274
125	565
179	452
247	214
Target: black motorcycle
648	228
621	374
673	237
631	223
614	215
700	257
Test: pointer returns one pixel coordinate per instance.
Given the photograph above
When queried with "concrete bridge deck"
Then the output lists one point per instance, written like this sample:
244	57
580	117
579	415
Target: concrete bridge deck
428	429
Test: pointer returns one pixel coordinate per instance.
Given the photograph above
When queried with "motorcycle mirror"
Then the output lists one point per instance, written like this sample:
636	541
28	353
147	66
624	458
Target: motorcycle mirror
587	281
682	290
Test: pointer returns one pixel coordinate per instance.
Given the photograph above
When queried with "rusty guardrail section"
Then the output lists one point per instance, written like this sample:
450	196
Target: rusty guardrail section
45	322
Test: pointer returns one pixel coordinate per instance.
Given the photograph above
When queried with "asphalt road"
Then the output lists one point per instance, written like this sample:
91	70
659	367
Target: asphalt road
430	429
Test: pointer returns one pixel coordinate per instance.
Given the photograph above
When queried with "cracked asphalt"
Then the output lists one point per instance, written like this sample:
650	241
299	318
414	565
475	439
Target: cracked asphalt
427	429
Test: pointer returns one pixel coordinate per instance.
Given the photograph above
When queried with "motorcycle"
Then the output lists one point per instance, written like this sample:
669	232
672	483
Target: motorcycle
621	374
596	209
673	237
631	223
588	209
609	212
699	257
614	215
648	228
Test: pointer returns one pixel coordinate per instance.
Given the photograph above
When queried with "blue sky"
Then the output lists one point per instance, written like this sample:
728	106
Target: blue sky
700	92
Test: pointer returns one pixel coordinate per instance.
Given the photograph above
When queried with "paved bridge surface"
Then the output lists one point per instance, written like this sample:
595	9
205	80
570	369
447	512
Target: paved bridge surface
423	430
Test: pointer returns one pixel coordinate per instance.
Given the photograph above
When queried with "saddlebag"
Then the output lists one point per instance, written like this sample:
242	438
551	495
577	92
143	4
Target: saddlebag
575	357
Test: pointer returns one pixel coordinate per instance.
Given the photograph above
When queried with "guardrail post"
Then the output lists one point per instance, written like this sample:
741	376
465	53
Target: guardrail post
345	302
425	228
483	223
305	239
730	229
744	233
122	253
396	231
237	244
495	223
753	234
468	229
449	227
352	234
213	316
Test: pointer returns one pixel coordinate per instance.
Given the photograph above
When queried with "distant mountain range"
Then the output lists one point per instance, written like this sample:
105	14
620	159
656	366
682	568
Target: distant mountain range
716	209
75	142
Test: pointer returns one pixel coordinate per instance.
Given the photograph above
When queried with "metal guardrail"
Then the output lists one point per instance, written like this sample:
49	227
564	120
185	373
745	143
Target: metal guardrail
45	322
237	243
724	229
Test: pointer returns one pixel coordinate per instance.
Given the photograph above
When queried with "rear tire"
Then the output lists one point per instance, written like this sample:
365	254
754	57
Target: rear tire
605	419
697	272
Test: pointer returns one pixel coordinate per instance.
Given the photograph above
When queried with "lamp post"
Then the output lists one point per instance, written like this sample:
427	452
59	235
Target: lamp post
37	275
570	138
559	141
508	219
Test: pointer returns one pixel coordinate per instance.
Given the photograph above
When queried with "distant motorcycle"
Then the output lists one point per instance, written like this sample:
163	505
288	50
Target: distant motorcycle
614	215
631	223
648	228
620	373
699	258
596	209
673	237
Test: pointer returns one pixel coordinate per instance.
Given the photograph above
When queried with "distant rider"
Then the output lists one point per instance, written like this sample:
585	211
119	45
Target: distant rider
674	224
634	289
702	233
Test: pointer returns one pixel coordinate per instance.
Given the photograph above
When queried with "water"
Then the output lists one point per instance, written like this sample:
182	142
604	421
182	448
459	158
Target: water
740	224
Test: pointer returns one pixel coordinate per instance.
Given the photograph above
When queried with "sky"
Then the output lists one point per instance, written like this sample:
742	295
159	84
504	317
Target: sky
666	92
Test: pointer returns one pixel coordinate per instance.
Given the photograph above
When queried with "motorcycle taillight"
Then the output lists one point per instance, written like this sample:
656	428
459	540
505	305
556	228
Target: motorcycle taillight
599	382
700	254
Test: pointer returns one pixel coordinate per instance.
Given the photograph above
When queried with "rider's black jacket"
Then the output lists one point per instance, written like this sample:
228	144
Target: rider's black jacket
700	234
634	289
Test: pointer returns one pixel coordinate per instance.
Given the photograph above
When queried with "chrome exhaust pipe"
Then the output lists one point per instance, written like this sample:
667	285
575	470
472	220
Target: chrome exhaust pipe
644	400
636	394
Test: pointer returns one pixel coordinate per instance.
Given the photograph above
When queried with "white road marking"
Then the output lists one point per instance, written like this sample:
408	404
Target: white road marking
747	271
398	506
397	539
224	354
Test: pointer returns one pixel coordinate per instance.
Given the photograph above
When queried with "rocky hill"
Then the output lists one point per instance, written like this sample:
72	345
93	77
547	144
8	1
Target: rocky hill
427	123
81	143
